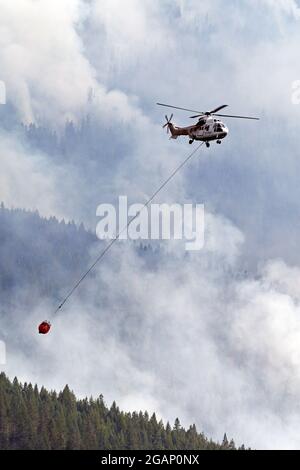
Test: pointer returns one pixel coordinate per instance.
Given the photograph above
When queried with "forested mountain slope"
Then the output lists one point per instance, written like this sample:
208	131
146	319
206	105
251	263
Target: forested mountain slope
33	418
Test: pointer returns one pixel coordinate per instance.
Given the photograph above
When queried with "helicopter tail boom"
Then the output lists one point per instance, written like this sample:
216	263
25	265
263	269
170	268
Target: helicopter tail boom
175	131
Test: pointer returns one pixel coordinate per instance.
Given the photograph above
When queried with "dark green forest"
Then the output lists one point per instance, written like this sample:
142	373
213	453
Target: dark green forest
33	418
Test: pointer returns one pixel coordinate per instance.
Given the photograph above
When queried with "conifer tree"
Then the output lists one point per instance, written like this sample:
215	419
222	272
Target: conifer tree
36	419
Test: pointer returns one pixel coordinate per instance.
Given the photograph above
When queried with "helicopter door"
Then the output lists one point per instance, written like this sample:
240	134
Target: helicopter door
206	129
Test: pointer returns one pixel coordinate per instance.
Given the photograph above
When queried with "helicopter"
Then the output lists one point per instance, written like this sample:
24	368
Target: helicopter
207	128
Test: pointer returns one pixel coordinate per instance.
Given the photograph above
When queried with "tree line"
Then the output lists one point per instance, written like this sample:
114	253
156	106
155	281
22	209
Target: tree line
33	418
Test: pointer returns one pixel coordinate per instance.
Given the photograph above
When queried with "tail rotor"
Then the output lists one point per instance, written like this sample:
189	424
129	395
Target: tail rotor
168	122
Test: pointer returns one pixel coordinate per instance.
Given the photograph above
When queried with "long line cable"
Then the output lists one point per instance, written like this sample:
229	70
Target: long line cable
111	243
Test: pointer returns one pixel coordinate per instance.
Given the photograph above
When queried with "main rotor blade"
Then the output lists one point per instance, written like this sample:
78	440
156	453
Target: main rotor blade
201	113
237	117
225	115
218	109
177	107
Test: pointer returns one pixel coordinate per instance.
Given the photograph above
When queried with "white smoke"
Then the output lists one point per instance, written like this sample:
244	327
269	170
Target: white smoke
189	339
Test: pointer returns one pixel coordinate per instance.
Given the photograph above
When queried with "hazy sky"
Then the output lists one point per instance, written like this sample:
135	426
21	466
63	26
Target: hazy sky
219	351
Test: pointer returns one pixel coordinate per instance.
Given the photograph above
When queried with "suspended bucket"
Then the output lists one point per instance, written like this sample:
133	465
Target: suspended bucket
44	327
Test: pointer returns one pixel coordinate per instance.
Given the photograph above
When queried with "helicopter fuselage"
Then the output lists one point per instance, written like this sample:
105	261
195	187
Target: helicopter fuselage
206	130
212	129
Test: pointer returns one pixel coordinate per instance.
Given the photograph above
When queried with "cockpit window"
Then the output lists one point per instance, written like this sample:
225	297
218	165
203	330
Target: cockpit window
201	122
